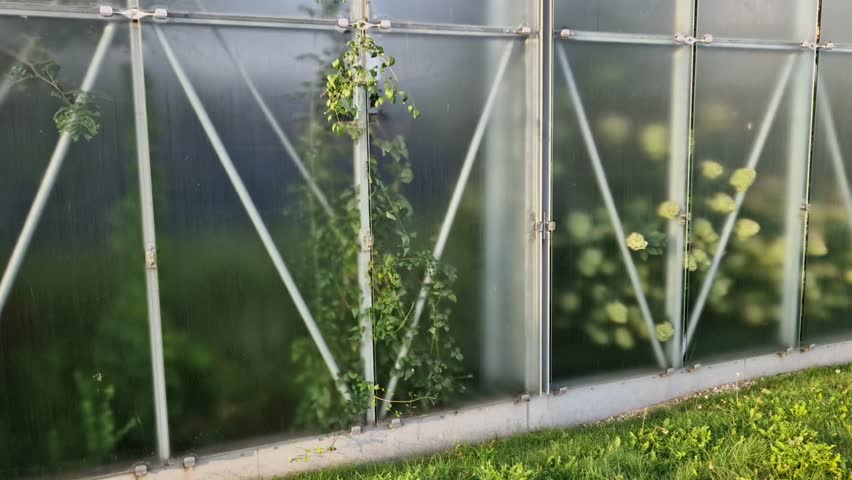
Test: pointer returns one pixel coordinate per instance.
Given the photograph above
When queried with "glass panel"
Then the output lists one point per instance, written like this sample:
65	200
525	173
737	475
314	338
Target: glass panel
239	361
788	20
626	92
450	80
834	21
828	283
625	16
285	8
751	304
75	373
469	12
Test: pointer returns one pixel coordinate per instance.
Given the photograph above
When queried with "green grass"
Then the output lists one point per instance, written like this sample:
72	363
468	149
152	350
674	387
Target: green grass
792	426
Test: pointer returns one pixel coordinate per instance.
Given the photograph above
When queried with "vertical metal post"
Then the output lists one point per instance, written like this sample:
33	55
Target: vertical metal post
678	174
50	175
146	199
545	107
802	88
532	182
360	10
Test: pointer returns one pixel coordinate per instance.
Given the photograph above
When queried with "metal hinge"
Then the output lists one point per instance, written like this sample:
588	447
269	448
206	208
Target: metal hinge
151	257
545	227
366	243
813	45
133	14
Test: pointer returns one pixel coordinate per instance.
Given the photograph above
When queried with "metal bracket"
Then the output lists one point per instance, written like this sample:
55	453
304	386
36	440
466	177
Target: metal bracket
814	46
345	24
524	30
134	14
151	257
565	33
681	39
189	462
395	423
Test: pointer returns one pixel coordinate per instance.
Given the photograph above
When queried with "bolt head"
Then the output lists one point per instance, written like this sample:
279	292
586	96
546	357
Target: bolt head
565	33
385	24
140	470
343	22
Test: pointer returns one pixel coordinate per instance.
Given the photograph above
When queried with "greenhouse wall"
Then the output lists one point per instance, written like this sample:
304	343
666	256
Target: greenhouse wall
575	209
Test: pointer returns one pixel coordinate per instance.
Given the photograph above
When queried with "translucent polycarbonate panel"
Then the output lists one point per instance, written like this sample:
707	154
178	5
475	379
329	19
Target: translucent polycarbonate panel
834	21
828	283
665	17
60	3
751	142
280	8
75	374
782	20
473	337
624	98
508	13
239	361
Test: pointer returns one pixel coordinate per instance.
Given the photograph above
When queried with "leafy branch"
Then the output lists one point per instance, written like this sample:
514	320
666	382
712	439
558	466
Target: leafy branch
361	66
78	116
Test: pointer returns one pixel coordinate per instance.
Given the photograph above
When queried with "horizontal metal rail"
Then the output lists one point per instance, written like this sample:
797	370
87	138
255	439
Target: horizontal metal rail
27	10
613	37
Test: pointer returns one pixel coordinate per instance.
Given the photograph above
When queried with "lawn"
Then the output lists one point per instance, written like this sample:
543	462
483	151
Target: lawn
792	426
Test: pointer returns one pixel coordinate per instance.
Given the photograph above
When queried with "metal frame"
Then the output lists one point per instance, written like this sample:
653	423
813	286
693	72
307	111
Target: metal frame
146	200
545	208
361	175
548	410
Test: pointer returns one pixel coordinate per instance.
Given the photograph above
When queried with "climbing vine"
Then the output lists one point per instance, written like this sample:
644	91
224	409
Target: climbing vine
431	372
